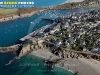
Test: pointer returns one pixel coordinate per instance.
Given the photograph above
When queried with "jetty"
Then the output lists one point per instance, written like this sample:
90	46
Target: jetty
10	48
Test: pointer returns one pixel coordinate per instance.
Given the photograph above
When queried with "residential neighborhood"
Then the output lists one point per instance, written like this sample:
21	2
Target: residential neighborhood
77	31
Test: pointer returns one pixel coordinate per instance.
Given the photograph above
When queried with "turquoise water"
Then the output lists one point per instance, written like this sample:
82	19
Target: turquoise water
29	65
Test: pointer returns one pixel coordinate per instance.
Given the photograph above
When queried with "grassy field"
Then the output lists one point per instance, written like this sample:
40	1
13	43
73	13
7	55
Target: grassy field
4	11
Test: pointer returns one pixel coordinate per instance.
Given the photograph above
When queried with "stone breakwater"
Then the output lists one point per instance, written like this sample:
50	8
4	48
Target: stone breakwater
10	48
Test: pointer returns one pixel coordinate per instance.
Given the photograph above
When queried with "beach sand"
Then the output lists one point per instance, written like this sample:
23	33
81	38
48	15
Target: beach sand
76	0
82	65
44	54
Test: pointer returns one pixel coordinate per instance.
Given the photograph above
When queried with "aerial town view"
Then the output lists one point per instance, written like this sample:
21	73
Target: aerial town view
47	37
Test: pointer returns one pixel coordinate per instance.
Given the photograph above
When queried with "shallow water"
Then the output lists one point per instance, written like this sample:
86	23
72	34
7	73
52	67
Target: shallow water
29	65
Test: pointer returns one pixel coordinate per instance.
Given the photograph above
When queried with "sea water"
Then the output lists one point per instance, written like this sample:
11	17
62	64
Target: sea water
12	31
28	65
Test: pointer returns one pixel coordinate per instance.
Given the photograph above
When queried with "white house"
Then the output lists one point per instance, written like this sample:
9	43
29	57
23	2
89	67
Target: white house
99	39
94	50
66	43
58	43
84	49
71	39
52	31
82	42
69	35
66	25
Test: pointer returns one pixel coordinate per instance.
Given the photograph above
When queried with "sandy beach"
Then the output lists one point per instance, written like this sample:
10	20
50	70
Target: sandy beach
76	0
82	65
44	54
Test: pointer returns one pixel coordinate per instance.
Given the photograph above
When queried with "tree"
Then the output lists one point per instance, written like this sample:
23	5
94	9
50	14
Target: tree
78	47
61	24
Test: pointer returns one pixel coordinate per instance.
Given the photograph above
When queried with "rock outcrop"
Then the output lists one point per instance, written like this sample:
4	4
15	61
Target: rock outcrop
25	50
29	47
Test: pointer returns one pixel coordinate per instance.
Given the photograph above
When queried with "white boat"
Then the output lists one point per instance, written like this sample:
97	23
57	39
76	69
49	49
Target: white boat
32	22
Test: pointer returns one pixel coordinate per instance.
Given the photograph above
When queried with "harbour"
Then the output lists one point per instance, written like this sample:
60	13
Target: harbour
33	35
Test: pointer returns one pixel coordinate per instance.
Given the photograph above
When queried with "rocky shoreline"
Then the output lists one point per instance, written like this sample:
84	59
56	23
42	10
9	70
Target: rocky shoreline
61	6
22	15
73	65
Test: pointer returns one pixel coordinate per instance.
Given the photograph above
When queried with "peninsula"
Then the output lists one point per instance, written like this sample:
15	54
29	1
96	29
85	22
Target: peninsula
7	14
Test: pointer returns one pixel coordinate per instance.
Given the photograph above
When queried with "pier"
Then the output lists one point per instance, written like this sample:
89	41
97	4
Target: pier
10	48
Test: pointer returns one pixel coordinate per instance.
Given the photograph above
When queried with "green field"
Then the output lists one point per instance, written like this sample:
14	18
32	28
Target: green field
4	11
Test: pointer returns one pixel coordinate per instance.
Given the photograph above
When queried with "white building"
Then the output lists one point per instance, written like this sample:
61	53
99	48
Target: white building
84	49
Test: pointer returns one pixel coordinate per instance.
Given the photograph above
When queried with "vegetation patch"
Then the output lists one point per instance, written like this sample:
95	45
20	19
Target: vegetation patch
4	11
25	45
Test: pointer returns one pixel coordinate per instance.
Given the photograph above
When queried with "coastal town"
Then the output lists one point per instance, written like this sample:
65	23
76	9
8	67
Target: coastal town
76	32
74	37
